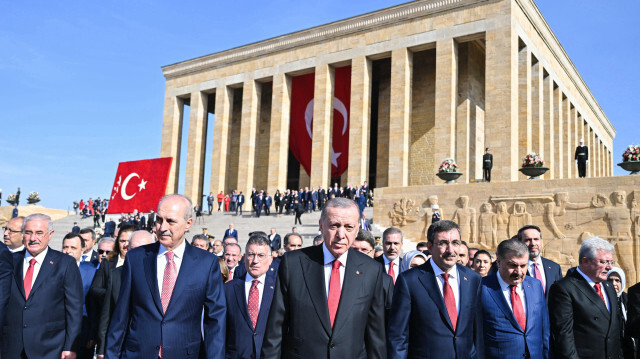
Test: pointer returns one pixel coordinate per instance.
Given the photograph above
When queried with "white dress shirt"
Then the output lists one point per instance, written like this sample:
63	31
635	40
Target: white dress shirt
506	291
36	267
396	266
86	257
328	267
531	269
178	254
247	287
121	261
16	250
454	281
592	284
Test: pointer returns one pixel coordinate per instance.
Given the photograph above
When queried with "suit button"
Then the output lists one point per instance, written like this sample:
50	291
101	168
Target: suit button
25	307
255	334
595	318
163	323
157	347
332	345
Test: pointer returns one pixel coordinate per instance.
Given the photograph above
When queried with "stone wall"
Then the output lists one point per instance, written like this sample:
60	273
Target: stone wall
567	211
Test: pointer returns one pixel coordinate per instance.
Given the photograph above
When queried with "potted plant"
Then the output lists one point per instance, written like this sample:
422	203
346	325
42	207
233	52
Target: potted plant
12	199
33	198
533	166
448	171
631	159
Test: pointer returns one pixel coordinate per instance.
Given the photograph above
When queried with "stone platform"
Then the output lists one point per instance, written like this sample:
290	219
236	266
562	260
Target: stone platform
567	211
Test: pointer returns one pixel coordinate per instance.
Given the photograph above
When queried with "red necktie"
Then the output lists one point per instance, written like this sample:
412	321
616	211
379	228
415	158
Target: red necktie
168	281
392	273
449	301
538	275
28	278
598	290
254	305
231	274
518	309
334	291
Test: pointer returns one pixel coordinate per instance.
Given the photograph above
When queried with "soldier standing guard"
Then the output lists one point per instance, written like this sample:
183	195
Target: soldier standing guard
582	157
487	164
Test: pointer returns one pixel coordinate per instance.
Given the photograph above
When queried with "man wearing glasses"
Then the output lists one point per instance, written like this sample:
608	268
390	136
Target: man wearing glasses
447	320
13	234
105	246
250	294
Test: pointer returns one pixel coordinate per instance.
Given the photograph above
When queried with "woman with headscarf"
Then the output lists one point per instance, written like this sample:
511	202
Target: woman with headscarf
412	259
617	278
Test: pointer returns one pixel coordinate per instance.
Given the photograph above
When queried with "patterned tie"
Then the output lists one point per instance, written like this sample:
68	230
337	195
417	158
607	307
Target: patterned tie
538	275
392	272
231	274
518	310
598	290
28	278
84	257
168	281
449	301
254	305
334	291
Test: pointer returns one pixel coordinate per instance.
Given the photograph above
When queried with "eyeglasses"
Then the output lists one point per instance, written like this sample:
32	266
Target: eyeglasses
11	231
102	251
261	256
605	263
444	244
38	234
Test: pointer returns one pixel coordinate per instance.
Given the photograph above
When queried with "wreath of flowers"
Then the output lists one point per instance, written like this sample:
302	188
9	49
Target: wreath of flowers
632	154
448	165
532	160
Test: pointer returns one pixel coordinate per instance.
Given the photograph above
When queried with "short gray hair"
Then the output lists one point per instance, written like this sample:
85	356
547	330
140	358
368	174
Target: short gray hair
591	246
339	202
392	230
140	231
106	240
38	217
512	247
188	213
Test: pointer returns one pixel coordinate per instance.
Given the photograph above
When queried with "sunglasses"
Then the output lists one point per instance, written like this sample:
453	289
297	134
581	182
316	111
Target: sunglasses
102	251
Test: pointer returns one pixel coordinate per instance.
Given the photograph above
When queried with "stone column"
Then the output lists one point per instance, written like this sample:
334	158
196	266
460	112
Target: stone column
537	124
549	125
196	147
400	116
559	153
524	101
360	112
569	141
222	121
590	144
445	112
249	123
279	143
501	94
322	118
172	138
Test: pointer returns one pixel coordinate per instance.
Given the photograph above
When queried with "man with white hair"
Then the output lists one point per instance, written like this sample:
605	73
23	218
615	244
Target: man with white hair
582	158
583	307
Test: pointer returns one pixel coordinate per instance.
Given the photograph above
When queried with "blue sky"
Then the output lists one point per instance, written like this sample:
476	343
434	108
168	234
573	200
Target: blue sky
81	87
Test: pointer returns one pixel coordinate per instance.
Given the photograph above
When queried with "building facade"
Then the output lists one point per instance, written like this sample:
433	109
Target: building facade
430	79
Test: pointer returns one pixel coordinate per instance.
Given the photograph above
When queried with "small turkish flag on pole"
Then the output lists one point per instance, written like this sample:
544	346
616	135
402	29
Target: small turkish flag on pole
139	185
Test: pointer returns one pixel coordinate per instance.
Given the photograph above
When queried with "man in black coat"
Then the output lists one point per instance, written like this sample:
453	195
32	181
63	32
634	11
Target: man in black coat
582	158
487	164
583	307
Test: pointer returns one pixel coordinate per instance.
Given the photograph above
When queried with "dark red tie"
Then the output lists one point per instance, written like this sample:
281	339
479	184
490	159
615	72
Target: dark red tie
598	290
334	291
518	309
538	275
254	305
28	278
449	301
392	273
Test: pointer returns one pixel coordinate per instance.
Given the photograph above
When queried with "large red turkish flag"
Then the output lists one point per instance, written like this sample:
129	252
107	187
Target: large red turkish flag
139	185
301	131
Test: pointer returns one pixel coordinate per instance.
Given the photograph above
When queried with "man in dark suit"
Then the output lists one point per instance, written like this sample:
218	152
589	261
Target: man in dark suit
322	196
240	203
436	310
328	300
516	319
151	220
44	313
76	228
391	247
137	239
109	228
632	329
231	232
259	203
365	223
249	299
583	307
89	254
275	240
169	290
543	269
6	275
487	164
582	158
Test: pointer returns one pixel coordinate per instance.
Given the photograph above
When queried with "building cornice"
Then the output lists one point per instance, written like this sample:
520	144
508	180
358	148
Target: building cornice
356	24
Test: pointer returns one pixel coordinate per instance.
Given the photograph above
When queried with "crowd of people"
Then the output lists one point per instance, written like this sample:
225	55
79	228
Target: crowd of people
151	292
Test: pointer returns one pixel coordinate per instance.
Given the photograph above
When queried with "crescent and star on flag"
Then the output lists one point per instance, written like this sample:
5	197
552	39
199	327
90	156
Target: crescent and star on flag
342	109
123	193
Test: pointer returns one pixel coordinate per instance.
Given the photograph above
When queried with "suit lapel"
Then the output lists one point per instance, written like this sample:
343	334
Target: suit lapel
428	280
49	261
313	272
18	263
150	268
349	292
590	292
238	290
465	291
529	297
501	301
267	297
187	268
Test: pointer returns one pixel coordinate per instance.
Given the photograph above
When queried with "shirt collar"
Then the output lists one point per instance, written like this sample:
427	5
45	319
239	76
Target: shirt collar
586	277
504	285
39	258
387	260
539	261
328	257
261	279
453	272
177	252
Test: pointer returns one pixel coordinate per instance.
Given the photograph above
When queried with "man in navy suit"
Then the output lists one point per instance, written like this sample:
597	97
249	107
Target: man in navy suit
44	313
249	299
516	319
275	240
391	247
436	309
6	275
240	203
231	232
543	269
169	291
